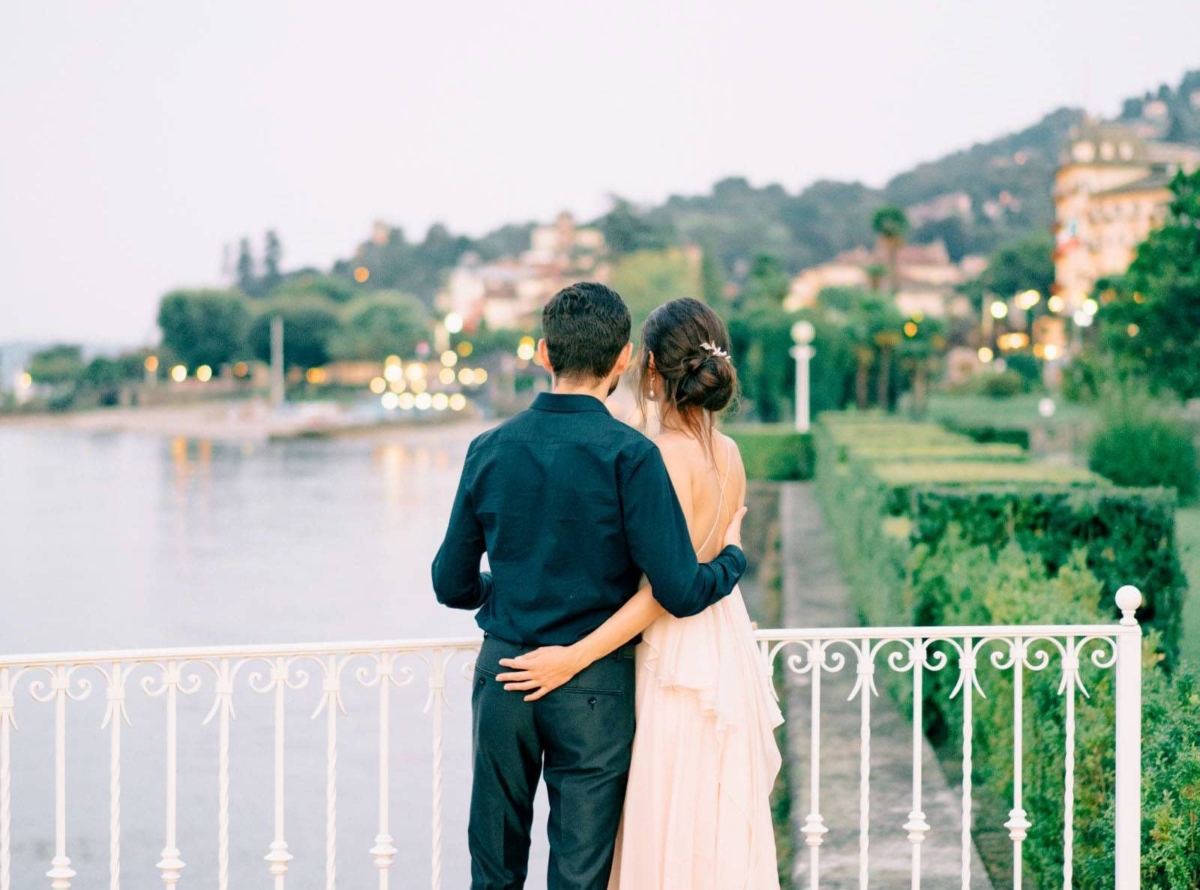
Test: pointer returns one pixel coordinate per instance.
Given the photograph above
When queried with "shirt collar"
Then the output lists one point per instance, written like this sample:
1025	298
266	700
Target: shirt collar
567	403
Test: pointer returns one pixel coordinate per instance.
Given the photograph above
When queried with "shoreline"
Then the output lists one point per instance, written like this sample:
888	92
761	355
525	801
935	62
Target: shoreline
238	421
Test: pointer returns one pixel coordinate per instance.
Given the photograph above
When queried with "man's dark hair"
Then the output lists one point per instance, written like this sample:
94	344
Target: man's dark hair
586	326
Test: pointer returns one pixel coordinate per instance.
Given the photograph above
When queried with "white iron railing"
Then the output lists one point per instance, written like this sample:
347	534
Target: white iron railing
282	671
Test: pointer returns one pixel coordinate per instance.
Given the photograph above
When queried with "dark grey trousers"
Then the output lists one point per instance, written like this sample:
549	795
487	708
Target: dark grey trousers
580	736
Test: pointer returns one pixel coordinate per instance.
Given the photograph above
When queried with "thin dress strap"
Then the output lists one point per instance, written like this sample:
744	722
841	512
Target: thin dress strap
721	504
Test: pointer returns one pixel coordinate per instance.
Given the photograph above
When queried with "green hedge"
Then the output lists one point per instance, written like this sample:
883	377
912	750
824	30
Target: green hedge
972	584
881	509
970	540
987	435
773	451
1127	536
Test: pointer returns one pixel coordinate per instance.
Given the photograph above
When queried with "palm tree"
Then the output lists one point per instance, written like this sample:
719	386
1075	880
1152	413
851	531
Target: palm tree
891	228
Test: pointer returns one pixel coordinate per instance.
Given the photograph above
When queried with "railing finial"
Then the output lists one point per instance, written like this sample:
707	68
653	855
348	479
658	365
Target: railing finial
1129	598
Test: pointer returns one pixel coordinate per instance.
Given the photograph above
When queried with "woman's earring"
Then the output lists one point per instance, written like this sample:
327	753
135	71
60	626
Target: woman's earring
651	387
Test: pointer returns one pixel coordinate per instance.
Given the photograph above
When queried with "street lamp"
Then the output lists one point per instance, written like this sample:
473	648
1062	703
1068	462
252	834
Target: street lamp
802	334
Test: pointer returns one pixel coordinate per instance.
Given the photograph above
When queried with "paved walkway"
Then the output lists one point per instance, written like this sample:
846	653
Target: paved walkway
815	595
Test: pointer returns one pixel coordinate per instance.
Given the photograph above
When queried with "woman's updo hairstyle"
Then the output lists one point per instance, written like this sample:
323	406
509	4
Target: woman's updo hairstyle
690	348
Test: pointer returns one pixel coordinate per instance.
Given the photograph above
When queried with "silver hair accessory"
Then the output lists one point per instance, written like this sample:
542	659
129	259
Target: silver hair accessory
714	349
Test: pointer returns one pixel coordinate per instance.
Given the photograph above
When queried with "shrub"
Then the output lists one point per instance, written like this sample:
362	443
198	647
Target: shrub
1004	385
929	542
1144	442
964	584
1018	436
773	451
1127	536
880	509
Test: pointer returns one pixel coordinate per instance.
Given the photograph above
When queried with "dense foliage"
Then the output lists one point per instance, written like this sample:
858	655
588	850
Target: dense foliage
773	451
891	486
1038	552
1151	320
1142	441
206	327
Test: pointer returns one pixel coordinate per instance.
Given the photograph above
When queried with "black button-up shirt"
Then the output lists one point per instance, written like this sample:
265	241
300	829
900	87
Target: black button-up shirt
572	507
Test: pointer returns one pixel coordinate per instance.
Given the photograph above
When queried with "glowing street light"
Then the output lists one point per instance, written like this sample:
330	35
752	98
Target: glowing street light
999	309
1028	299
454	323
204	373
179	373
986	355
378	385
449	358
1056	304
803	333
525	349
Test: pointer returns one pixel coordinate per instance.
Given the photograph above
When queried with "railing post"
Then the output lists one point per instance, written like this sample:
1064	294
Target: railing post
1129	742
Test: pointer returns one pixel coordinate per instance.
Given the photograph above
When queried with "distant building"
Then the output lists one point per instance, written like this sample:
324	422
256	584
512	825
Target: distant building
1110	192
938	208
928	278
510	292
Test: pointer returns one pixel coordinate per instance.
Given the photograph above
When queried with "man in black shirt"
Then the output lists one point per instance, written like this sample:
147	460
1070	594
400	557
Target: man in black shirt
572	507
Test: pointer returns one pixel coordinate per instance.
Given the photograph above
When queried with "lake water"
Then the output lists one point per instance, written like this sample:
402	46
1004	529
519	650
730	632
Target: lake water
117	541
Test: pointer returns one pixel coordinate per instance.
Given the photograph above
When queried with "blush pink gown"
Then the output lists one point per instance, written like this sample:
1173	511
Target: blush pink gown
697	810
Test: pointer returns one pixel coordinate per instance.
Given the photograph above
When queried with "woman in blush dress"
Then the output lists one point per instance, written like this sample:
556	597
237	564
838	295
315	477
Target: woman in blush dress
697	813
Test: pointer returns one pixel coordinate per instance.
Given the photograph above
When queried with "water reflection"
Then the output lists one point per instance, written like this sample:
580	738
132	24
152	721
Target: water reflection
117	541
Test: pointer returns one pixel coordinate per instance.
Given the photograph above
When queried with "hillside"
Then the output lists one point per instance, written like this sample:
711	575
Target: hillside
975	200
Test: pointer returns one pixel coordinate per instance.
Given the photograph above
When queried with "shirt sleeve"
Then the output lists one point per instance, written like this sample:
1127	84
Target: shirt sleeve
661	546
457	580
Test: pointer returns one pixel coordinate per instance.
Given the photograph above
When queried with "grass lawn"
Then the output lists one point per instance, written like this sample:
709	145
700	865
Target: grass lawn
1187	532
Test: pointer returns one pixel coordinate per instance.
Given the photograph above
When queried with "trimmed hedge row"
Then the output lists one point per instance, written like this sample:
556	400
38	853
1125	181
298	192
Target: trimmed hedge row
775	452
948	543
881	509
1015	435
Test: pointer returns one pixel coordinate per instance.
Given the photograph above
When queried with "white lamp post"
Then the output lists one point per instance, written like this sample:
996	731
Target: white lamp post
802	333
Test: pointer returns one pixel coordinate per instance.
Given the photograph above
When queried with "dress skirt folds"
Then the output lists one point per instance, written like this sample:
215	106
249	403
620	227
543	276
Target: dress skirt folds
697	810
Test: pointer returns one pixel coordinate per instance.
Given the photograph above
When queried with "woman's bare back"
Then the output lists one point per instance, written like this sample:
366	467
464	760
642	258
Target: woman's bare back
711	487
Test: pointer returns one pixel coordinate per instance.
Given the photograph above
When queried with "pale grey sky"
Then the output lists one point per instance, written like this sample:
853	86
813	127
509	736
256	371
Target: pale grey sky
138	136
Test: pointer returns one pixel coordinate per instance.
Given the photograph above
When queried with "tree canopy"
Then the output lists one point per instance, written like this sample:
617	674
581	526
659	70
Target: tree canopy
1151	321
204	327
